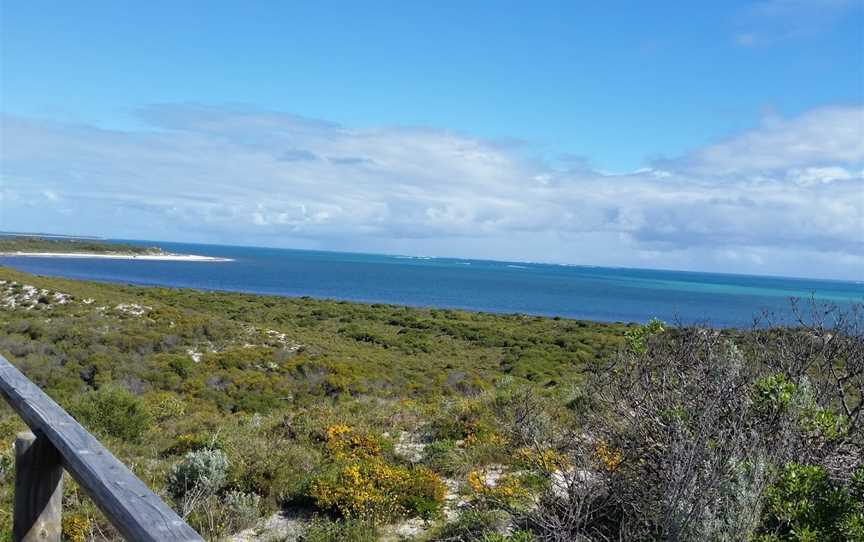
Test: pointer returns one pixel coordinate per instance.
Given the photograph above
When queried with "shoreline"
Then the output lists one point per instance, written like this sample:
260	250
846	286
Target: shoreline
119	256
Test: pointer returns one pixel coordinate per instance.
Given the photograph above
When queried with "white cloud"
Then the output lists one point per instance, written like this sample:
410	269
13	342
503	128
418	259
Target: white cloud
822	137
750	203
823	175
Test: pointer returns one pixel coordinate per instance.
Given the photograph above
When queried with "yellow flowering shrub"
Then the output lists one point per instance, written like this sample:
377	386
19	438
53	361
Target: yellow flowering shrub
424	491
75	528
546	460
361	484
373	489
344	443
481	438
507	489
477	481
609	458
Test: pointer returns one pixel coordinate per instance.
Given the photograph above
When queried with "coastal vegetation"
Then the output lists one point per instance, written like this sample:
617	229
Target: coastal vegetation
36	244
320	420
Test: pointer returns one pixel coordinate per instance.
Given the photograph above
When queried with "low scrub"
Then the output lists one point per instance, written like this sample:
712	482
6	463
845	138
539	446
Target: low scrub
113	411
359	482
461	426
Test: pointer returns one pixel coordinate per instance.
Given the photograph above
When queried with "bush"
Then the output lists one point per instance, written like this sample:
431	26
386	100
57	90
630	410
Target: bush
345	530
280	472
442	456
686	430
75	528
773	394
202	472
459	420
547	461
239	510
374	490
186	443
422	493
113	411
506	492
637	338
472	525
804	504
359	483
343	442
6	465
164	405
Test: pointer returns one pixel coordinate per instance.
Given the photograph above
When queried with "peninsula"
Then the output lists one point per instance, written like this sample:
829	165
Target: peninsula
45	247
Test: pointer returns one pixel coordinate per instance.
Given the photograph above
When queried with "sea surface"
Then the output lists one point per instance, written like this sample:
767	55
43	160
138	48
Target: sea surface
584	292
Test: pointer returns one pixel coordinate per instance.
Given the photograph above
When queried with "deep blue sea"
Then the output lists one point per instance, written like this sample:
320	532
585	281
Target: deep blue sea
592	293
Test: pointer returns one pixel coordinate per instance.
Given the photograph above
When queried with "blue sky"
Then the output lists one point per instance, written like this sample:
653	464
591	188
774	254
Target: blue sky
597	133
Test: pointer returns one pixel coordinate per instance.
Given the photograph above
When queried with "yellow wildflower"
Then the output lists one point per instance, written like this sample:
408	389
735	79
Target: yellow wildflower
609	458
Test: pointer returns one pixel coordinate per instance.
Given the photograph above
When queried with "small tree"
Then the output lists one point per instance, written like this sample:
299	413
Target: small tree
686	429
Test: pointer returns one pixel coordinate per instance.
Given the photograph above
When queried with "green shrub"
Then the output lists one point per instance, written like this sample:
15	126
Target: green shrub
181	365
200	472
472	525
637	338
828	425
460	420
239	510
344	530
422	493
442	456
805	505
773	393
6	465
113	411
281	472
186	443
856	485
164	405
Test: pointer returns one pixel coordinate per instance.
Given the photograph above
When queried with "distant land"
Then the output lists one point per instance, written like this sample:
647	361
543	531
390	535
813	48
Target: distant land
58	246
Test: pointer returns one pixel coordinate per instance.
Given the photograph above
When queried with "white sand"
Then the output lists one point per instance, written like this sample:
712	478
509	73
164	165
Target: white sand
120	256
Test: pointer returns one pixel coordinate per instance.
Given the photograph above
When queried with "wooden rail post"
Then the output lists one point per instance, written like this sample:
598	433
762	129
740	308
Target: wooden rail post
38	490
137	513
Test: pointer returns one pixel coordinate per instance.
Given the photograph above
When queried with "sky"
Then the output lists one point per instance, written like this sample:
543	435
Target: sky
706	136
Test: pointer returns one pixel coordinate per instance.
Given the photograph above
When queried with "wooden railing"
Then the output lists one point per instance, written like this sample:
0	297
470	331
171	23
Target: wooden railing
58	442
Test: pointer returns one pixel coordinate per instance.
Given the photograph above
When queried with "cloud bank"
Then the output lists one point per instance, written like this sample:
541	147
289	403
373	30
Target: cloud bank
785	198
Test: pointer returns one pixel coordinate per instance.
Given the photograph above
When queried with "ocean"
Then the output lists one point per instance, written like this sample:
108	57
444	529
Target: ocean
583	292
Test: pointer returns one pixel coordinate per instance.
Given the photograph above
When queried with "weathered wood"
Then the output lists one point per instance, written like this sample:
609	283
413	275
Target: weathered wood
37	515
128	504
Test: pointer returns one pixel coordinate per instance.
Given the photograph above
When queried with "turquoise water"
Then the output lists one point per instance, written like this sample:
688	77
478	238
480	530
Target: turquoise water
594	293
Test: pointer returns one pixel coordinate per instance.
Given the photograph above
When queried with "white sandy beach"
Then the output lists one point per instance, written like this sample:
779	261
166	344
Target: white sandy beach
121	256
